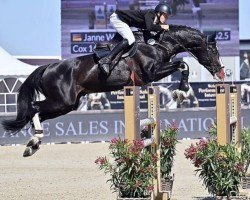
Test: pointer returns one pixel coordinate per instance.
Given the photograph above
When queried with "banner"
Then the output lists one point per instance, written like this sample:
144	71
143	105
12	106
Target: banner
201	94
105	125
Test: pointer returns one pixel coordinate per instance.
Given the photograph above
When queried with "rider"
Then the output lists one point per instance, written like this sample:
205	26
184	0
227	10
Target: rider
122	20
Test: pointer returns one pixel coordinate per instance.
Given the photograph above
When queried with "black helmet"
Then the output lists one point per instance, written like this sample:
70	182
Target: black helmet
163	8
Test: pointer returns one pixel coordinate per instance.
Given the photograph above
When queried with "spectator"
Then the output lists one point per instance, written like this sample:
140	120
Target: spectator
244	67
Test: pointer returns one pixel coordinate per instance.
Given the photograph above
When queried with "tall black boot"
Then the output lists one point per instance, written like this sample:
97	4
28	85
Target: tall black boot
105	62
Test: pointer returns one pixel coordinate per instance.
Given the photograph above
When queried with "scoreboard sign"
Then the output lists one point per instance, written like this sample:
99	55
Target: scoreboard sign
223	35
84	42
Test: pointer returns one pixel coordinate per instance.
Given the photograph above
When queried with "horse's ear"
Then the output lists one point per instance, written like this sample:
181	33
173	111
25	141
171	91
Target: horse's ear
211	38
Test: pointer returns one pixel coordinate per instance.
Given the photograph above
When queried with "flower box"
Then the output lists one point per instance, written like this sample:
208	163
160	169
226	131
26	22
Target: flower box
167	184
125	198
245	182
240	197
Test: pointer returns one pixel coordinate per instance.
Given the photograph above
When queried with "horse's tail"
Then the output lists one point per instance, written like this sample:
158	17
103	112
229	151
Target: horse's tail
26	94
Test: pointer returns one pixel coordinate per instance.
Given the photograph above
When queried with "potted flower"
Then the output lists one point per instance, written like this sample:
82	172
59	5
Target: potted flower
132	170
168	141
245	156
219	166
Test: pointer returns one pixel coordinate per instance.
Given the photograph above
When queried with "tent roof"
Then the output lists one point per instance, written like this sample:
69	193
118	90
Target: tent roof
10	66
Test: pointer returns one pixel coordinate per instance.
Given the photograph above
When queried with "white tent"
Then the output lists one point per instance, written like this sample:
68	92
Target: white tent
10	66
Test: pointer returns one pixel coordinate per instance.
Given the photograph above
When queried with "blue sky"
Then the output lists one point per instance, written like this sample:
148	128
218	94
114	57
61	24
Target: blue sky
244	6
33	27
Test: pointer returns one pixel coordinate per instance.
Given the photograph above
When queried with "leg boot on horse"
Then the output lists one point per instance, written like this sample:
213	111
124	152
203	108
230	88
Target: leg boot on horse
181	93
105	62
184	85
35	141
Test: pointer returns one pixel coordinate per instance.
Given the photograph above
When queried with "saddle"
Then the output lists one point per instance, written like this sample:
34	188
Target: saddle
101	50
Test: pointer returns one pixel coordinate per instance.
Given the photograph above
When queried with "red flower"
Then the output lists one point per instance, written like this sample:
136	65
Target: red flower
197	162
154	158
202	144
174	127
137	146
150	188
190	153
101	160
115	140
239	167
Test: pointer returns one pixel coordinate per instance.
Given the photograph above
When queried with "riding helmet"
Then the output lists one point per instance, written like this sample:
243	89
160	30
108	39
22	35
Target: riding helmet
163	8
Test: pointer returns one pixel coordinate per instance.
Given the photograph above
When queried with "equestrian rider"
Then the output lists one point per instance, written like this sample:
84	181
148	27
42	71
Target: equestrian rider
122	20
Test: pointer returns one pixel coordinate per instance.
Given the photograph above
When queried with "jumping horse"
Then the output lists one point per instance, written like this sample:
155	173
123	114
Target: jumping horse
63	83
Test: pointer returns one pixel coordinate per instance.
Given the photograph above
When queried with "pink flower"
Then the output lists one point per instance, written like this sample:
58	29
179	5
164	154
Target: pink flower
239	167
173	126
154	158
197	162
137	146
150	188
190	153
115	140
101	160
202	144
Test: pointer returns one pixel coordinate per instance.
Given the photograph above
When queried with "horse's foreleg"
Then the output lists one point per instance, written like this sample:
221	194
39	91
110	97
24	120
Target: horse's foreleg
184	85
169	68
166	69
182	93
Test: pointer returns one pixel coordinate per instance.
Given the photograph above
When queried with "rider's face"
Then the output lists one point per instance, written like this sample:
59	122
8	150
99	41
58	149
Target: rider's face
163	18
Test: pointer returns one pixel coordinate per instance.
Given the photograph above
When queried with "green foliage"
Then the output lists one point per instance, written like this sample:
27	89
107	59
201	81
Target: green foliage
168	141
220	166
133	169
245	149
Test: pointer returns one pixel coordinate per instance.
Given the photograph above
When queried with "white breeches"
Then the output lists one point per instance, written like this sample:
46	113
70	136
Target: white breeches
122	28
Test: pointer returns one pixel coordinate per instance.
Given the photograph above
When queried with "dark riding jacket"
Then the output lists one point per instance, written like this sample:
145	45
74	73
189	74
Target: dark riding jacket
143	19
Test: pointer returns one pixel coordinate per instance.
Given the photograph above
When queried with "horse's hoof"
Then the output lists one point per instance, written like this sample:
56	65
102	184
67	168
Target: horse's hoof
175	95
179	96
29	151
32	147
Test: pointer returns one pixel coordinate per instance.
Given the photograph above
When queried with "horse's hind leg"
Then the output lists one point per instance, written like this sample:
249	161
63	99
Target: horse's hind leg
45	109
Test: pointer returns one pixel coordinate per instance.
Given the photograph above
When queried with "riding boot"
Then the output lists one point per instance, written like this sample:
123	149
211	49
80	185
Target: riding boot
105	62
184	85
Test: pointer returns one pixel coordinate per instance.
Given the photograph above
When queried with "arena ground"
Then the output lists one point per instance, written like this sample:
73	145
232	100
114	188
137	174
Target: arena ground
68	172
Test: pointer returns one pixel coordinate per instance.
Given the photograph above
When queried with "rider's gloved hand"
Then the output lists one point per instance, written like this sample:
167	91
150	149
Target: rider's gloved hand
165	27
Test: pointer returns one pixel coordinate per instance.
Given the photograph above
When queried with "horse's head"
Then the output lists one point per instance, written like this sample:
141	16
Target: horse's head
210	58
202	47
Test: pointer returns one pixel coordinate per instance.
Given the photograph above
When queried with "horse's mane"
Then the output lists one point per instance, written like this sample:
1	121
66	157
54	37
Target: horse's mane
172	29
144	34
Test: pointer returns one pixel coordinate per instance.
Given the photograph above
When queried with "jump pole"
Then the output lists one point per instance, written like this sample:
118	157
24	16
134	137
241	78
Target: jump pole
133	126
228	113
132	112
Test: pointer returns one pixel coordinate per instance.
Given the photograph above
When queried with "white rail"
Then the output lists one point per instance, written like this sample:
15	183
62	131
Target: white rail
233	120
146	122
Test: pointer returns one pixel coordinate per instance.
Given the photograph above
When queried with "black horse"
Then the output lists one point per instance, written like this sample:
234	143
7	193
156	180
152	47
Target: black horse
63	83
